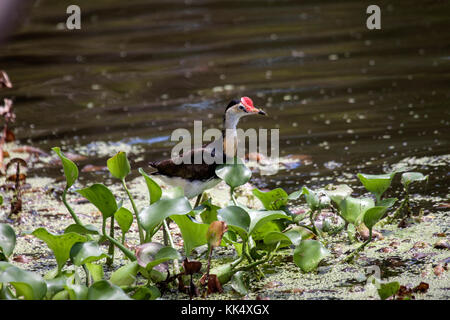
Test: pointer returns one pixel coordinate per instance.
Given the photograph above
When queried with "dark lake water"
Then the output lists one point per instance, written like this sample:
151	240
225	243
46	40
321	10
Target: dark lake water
352	99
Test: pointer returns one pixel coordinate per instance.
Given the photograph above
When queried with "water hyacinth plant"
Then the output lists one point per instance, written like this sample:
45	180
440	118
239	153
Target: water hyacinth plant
255	235
404	211
7	241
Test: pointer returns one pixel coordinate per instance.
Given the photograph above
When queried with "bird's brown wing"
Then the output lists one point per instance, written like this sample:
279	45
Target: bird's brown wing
201	171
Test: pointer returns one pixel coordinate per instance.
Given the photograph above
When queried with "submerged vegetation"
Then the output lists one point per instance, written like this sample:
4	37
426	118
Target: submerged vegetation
256	236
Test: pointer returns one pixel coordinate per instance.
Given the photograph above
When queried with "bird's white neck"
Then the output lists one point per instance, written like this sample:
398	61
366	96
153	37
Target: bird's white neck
230	135
231	121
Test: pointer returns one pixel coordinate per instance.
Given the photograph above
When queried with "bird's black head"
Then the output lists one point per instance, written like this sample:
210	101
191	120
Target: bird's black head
243	107
232	103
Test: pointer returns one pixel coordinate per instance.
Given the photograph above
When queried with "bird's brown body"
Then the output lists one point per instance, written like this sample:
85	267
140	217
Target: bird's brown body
193	177
192	171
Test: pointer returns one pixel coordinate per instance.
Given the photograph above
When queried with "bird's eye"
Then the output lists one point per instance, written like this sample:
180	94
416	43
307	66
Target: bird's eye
241	107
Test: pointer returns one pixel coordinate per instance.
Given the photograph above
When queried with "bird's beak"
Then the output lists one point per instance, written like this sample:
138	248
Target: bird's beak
262	112
254	110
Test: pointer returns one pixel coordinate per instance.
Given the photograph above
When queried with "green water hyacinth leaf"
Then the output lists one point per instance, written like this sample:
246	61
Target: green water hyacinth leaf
95	270
316	200
101	197
77	291
73	290
119	165
376	183
173	193
147	293
209	214
230	237
7	239
388	202
410	177
125	275
163	255
70	168
295	195
208	211
235	174
272	238
59	244
28	284
152	254
238	283
294	235
146	252
124	218
86	229
236	218
154	190
151	216
308	255
352	209
338	193
6	293
373	215
224	272
265	228
62	295
285	238
104	290
312	199
260	217
193	233
273	199
55	285
387	290
245	223
86	252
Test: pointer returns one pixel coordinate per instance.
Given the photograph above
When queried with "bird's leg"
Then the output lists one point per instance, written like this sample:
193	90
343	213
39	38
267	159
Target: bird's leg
197	202
169	238
165	235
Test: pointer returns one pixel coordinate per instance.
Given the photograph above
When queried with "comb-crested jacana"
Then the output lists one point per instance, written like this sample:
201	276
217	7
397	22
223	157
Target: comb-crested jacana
196	178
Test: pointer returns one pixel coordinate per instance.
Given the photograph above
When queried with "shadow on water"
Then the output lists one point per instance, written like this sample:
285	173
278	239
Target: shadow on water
351	98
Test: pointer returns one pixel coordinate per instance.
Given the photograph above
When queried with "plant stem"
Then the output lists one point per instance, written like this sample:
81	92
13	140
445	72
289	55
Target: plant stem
257	263
378	198
399	212
232	196
110	261
306	227
408	208
249	257
316	231
165	237
350	257
313	226
209	263
150	234
254	264
169	236
197	201
72	213
136	213
350	233
245	253
129	254
236	262
88	277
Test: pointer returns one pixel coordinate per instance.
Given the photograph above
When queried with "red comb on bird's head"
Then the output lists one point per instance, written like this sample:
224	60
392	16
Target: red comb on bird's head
248	103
